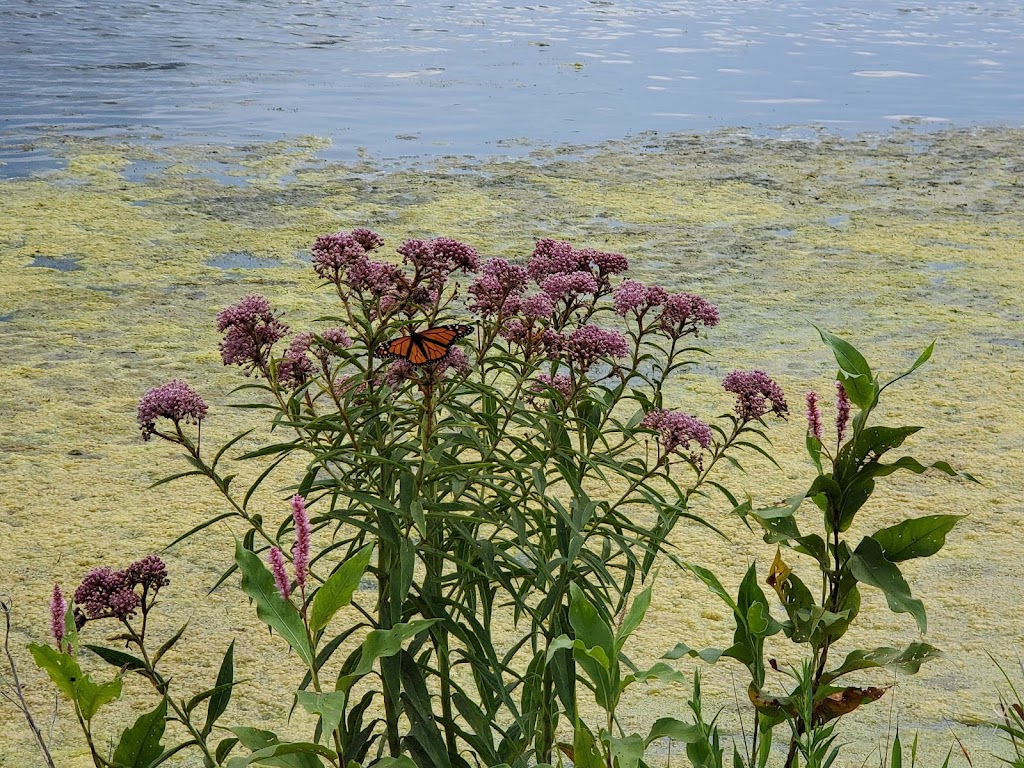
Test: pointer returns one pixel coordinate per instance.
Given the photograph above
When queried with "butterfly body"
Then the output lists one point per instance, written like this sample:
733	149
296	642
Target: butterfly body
425	347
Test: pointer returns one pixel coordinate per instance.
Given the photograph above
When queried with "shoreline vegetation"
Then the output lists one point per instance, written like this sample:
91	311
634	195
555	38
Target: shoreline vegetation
112	282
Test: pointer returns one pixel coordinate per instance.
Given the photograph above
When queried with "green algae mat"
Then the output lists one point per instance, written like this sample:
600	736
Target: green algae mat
111	280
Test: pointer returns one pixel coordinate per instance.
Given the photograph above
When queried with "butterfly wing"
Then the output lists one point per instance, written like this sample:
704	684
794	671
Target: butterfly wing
424	347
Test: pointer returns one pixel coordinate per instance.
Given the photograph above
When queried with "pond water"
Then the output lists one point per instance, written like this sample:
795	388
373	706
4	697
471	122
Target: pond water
488	77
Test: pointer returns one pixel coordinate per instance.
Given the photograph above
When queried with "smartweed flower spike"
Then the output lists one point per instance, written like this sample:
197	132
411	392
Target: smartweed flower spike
58	612
105	593
250	329
276	560
754	390
842	412
300	552
174	400
814	416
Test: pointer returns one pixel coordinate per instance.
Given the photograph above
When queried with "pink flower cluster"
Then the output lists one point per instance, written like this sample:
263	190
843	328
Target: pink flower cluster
295	368
106	593
300	551
678	430
560	383
435	260
250	329
174	400
566	273
756	394
585	346
632	296
683	312
497	291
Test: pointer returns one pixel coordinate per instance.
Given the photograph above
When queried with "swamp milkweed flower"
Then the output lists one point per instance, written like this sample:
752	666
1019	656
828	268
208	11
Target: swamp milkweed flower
174	400
678	430
250	329
756	394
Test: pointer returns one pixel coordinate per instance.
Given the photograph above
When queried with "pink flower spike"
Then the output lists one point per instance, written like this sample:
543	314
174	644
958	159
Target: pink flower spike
58	613
842	411
814	416
300	552
276	560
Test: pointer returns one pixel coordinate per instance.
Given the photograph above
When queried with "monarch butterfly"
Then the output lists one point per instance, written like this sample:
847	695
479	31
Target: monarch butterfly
424	347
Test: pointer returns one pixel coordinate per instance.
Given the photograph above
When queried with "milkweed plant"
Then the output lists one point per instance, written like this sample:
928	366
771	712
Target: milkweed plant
489	448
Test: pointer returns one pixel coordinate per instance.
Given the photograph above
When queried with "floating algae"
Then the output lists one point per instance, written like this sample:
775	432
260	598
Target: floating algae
890	240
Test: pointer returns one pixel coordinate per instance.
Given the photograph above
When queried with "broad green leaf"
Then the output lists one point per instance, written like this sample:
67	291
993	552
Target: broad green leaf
330	706
257	741
908	661
140	744
626	750
709	655
660	671
869	566
855	373
918	537
396	762
92	696
381	643
271	608
589	625
62	669
338	589
674	729
584	750
222	696
634	617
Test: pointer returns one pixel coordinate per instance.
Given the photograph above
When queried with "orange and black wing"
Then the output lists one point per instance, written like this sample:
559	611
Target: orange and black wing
423	348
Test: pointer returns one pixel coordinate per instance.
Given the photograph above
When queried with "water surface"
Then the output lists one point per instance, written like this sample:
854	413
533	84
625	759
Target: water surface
480	77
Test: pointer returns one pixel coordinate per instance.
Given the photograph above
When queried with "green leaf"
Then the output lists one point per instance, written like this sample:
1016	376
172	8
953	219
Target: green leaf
907	661
660	671
677	730
220	699
627	750
117	658
395	762
330	706
584	750
262	744
169	644
91	696
869	566
140	744
381	643
338	589
62	669
855	373
918	537
634	617
271	608
588	624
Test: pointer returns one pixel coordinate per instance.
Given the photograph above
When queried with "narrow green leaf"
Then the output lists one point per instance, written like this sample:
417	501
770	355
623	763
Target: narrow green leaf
918	537
869	566
140	744
117	658
220	699
169	644
337	591
633	618
271	608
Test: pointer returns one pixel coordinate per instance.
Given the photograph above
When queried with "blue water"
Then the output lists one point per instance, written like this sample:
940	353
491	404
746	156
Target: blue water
486	77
